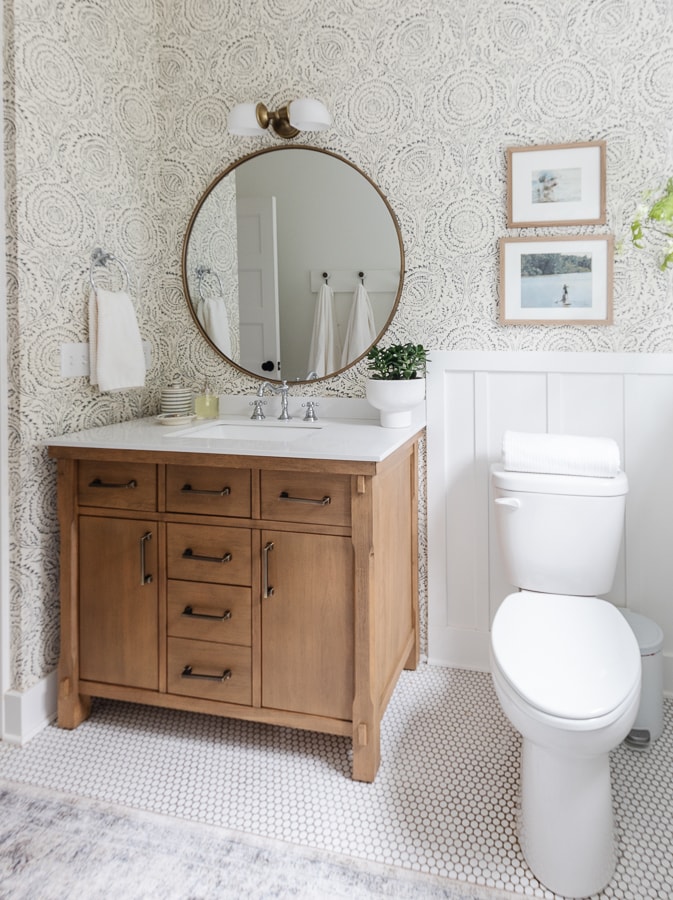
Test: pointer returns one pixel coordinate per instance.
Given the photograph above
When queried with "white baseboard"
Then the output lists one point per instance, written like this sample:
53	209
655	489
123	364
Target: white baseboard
28	712
462	648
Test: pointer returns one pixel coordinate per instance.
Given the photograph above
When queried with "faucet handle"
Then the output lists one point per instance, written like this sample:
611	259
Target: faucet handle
310	411
258	412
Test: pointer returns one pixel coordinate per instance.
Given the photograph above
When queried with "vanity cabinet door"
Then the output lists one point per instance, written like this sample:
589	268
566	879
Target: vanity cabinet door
307	624
118	602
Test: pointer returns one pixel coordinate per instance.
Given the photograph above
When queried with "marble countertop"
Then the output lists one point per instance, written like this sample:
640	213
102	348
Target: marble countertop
354	438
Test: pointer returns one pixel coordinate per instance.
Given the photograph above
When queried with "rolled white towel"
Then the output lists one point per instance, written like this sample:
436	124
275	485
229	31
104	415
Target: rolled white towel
560	454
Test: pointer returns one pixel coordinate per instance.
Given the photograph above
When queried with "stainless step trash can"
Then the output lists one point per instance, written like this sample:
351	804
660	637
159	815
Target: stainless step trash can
650	717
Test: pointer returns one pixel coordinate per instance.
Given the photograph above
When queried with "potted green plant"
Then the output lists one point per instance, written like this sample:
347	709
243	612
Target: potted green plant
396	384
654	219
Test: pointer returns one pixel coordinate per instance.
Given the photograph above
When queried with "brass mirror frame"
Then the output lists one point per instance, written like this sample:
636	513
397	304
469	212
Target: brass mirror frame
190	226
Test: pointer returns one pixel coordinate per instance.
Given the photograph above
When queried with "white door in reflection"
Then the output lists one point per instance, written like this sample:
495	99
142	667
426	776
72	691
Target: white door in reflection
258	285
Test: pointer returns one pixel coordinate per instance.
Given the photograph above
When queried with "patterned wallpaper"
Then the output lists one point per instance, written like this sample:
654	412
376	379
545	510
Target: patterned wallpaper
116	123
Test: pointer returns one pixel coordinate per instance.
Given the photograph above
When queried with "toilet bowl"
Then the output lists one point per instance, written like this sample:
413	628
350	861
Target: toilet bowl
565	666
567	674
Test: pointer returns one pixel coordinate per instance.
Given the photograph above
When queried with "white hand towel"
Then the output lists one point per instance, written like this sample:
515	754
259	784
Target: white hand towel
324	354
116	358
560	454
361	329
212	314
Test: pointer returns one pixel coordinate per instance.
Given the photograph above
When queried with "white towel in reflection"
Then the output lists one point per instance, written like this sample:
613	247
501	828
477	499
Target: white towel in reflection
361	330
324	354
212	314
560	454
116	358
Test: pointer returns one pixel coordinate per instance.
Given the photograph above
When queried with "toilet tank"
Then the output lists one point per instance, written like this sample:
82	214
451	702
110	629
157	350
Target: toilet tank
559	534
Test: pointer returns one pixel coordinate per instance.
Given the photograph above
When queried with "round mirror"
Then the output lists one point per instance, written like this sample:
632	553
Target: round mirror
292	264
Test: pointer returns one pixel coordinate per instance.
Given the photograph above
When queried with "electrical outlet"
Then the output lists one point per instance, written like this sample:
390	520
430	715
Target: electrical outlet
147	350
74	360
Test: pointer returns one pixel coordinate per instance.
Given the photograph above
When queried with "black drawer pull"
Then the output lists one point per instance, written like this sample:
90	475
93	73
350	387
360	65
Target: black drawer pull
188	489
97	483
189	611
188	673
189	554
324	502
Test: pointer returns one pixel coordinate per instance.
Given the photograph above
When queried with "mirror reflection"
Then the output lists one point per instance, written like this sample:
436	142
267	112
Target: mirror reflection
292	264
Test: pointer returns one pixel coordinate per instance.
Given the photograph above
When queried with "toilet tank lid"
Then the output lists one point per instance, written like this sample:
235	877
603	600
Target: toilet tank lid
572	485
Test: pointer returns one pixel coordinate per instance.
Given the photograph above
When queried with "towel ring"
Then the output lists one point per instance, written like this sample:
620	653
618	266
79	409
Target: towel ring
201	272
100	258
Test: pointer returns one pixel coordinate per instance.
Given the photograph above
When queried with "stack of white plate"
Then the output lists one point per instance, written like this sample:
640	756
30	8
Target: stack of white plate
176	399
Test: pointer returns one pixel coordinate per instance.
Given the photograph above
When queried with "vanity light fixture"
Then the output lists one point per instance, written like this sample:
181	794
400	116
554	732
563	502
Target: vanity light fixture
287	121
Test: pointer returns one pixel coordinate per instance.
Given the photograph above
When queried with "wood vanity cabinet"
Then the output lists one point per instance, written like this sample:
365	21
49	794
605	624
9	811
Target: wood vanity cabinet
277	590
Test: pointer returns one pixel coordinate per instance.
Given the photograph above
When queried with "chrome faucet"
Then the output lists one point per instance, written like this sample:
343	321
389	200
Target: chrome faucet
282	389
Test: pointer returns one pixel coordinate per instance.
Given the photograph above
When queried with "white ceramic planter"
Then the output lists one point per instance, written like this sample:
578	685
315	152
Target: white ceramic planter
395	399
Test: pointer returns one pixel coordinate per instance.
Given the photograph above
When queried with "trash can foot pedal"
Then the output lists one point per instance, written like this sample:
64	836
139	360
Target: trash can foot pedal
638	737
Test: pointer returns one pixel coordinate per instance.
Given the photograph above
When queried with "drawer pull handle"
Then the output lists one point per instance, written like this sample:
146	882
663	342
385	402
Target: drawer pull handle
188	673
189	554
188	489
267	590
144	578
97	483
189	611
324	502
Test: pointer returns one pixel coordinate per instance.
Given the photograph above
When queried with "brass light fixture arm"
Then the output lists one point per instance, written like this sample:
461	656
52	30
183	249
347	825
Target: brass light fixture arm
278	119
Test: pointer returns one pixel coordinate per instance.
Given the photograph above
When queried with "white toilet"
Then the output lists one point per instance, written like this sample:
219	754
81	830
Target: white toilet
566	667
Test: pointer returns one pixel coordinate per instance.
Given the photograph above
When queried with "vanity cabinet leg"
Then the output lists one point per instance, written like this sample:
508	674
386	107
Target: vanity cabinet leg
366	750
73	708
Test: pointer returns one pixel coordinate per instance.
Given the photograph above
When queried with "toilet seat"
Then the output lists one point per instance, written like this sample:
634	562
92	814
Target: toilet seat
568	657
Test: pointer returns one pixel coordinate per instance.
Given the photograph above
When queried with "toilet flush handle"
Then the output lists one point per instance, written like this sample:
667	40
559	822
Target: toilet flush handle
510	502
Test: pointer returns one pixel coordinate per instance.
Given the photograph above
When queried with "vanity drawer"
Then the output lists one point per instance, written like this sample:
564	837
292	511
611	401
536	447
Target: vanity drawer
210	491
209	612
117	485
209	553
306	497
210	671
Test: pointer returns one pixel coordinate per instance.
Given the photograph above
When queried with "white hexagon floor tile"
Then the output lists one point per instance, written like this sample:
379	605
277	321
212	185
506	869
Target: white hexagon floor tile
444	801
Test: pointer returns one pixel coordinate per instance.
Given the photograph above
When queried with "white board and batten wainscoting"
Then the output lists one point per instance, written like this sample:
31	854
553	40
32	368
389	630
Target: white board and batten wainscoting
472	398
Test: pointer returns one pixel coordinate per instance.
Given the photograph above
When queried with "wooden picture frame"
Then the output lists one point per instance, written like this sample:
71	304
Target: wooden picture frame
556	184
559	280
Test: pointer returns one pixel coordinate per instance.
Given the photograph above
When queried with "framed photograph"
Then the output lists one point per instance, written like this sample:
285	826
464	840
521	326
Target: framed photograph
556	184
561	280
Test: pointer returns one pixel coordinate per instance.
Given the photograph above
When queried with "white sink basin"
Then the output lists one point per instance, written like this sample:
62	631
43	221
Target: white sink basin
234	429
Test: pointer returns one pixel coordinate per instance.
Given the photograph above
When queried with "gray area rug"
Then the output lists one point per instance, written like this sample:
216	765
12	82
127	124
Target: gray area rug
54	847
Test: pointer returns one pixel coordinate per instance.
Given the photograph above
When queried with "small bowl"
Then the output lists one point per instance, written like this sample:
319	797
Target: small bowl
174	418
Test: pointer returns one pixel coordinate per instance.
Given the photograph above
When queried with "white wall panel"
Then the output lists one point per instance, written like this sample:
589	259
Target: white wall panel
472	399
